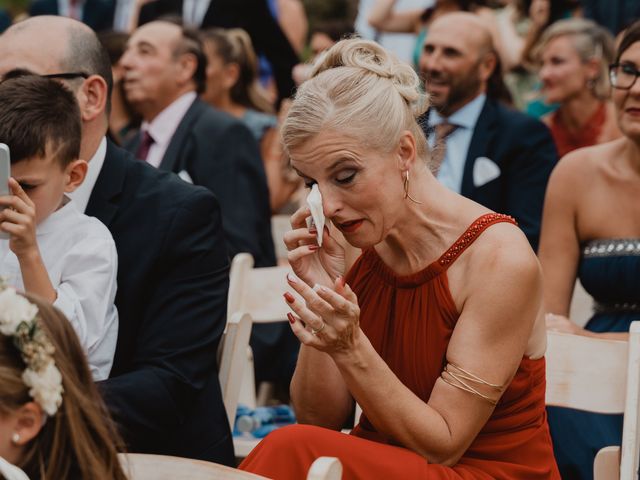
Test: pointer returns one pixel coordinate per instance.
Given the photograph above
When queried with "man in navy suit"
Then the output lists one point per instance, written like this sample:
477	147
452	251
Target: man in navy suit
164	67
98	14
173	268
489	153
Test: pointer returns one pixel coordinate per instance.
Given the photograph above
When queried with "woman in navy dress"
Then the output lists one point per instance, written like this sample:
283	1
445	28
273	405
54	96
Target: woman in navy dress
591	230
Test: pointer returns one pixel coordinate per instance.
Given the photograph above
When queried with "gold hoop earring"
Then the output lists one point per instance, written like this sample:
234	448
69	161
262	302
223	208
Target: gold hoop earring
406	188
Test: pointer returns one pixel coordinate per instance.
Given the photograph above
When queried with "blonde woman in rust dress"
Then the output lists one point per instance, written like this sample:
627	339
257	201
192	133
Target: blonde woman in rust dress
436	331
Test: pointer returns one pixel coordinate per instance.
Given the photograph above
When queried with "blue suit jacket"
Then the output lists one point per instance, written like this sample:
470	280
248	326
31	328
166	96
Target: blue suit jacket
173	279
523	149
219	152
98	14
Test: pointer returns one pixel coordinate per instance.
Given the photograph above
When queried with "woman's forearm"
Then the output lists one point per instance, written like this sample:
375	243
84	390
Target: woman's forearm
395	410
318	392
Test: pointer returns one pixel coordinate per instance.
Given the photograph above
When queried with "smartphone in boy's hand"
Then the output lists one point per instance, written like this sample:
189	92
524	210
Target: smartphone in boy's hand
5	173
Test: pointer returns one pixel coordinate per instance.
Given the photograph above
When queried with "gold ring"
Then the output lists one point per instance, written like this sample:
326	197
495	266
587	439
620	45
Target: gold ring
315	331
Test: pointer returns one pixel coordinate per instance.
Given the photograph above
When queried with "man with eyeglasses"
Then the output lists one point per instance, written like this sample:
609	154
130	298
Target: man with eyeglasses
163	389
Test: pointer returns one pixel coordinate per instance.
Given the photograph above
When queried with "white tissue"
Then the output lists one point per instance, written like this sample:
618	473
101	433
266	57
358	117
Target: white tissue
314	200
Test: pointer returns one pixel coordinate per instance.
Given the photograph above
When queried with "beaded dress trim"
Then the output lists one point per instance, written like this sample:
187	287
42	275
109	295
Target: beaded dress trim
470	235
611	247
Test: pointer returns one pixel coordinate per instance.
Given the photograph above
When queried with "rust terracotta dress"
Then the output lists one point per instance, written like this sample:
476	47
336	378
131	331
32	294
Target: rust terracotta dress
409	320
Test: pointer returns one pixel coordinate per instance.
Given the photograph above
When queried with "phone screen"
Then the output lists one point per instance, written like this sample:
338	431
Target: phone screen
5	173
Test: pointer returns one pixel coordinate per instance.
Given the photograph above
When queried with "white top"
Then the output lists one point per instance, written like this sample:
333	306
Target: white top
81	260
122	15
193	12
165	125
80	195
8	471
65	9
401	44
452	168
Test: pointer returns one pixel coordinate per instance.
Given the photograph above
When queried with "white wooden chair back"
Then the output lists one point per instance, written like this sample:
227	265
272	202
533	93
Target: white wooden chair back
234	344
141	466
233	361
603	376
280	224
325	468
265	289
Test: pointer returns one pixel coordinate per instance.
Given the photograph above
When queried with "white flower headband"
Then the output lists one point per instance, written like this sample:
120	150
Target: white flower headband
18	320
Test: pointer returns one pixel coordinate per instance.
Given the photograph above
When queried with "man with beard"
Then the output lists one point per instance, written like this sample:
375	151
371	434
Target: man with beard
489	153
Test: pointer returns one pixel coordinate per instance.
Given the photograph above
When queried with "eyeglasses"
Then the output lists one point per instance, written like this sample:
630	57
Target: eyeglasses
67	75
623	76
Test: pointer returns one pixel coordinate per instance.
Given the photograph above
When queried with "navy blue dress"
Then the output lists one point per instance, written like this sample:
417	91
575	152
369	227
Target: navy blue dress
609	271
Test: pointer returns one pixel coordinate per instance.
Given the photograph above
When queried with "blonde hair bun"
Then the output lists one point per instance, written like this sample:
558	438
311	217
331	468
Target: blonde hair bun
372	57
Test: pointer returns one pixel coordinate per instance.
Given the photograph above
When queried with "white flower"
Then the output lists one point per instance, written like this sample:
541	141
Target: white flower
14	309
45	387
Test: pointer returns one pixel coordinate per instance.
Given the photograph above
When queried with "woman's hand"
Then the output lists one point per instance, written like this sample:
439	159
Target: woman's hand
311	263
561	324
329	320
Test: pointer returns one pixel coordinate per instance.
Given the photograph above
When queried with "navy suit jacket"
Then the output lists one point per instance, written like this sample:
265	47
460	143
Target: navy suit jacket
251	15
98	14
523	149
220	153
173	278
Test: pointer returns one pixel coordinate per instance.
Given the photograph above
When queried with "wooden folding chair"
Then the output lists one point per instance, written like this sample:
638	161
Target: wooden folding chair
280	224
232	352
602	376
141	466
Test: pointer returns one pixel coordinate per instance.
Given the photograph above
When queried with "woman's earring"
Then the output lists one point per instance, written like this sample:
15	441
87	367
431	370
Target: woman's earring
406	188
15	438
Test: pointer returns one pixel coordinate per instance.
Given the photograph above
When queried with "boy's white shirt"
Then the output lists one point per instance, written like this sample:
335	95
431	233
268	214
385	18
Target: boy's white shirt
81	260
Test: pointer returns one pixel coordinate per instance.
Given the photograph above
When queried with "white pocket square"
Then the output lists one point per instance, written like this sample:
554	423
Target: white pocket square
184	175
484	170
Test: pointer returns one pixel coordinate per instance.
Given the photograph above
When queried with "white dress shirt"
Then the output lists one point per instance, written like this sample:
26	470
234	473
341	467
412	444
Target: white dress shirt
452	168
80	195
193	12
66	10
165	125
122	15
81	260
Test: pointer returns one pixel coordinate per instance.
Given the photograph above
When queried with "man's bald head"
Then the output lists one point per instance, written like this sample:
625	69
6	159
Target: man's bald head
468	27
50	44
457	60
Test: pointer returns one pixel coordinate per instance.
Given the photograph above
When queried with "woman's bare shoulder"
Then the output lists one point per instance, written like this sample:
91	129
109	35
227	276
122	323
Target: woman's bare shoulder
577	168
500	255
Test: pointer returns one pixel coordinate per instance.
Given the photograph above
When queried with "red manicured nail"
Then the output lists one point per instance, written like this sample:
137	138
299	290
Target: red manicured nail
313	231
342	282
313	248
291	319
288	297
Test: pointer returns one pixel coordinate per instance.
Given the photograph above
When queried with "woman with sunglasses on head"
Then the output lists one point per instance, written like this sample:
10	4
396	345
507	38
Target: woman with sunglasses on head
591	230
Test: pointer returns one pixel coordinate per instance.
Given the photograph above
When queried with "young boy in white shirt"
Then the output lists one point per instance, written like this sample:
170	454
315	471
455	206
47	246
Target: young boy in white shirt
53	250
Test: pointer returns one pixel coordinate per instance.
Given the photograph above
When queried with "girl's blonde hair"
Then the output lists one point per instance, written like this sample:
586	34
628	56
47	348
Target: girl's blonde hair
591	41
359	88
79	441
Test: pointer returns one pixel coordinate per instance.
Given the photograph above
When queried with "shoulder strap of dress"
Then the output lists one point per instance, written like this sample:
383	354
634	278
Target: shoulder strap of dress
470	235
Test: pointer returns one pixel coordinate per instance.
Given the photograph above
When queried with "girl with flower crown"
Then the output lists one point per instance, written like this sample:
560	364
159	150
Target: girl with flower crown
53	423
